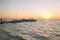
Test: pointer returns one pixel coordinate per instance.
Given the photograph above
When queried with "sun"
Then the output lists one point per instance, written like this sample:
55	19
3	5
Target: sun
46	16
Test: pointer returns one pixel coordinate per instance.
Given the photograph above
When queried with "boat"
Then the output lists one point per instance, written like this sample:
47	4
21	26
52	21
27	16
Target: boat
27	20
22	20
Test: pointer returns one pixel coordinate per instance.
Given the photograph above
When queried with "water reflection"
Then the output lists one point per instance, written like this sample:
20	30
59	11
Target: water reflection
40	30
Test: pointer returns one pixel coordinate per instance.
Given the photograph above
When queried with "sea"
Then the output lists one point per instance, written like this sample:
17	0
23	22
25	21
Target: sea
38	30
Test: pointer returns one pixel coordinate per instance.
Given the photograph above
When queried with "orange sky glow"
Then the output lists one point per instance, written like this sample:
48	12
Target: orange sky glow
37	9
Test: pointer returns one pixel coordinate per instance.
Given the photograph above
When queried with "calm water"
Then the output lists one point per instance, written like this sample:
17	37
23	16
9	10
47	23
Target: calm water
39	30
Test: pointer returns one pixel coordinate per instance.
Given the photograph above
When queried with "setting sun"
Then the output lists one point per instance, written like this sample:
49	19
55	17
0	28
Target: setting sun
46	16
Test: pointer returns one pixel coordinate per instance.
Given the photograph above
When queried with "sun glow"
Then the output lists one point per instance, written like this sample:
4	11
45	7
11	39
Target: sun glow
46	16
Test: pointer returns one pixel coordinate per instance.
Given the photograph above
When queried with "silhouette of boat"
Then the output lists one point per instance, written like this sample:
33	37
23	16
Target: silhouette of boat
22	20
27	20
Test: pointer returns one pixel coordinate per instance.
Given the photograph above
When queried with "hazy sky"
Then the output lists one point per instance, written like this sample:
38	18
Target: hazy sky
29	8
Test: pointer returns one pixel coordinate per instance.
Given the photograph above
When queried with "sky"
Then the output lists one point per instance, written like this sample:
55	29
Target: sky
38	9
